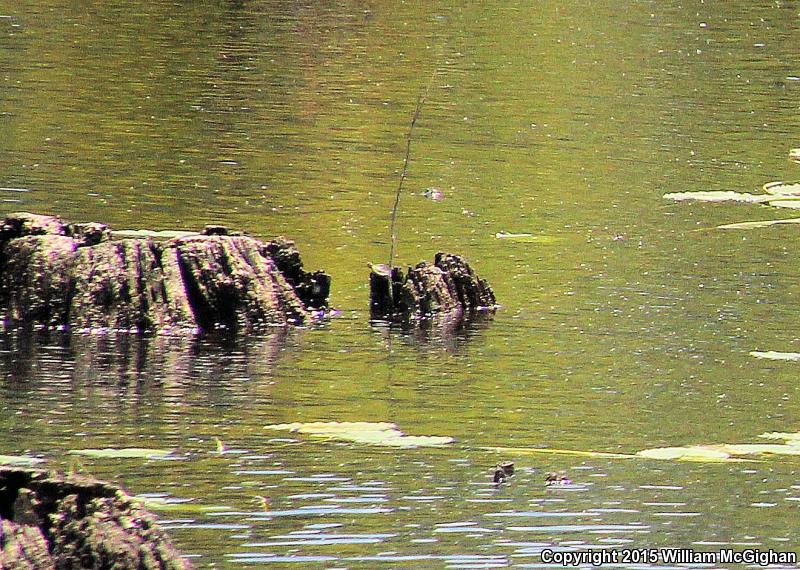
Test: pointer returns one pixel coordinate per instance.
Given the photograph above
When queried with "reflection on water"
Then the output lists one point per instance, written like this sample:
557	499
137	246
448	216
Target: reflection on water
123	360
622	328
452	330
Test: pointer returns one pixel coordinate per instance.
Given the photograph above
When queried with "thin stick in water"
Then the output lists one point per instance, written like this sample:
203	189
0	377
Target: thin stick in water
396	207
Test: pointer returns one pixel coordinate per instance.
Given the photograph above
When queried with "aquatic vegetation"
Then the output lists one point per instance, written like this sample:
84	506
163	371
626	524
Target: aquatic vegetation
782	188
221	448
717	453
757	224
761	449
773	355
791	202
552	451
161	502
729	451
777	194
524	237
719	196
700	453
123	453
20	460
369	433
790	438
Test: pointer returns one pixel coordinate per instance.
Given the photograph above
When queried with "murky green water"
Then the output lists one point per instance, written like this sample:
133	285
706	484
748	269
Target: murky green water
622	327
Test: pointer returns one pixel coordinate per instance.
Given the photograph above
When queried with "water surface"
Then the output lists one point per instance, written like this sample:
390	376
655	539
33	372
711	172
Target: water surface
622	326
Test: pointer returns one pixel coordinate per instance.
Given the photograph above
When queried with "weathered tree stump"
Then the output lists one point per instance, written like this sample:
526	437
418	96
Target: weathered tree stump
426	290
55	274
73	522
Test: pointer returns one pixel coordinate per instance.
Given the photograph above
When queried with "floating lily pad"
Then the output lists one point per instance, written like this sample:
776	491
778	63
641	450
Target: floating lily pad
699	453
123	453
791	202
773	355
720	196
369	433
19	460
761	448
759	224
782	188
790	438
726	451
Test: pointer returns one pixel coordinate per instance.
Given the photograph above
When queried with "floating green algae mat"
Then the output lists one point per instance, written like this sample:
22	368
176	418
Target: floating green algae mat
369	433
758	224
715	453
553	451
785	189
777	194
728	451
20	460
525	238
774	355
123	453
698	453
165	503
719	196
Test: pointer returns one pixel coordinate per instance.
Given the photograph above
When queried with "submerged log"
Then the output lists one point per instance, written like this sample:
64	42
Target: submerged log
57	522
55	274
450	284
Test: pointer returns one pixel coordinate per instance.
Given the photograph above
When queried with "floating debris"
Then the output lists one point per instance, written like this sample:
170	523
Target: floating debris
782	188
777	194
791	438
699	453
549	450
525	237
369	433
758	224
19	460
719	196
728	451
123	453
508	235
773	355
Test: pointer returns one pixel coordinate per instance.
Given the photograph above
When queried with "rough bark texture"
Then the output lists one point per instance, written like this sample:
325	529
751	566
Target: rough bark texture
77	523
55	274
426	290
